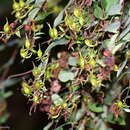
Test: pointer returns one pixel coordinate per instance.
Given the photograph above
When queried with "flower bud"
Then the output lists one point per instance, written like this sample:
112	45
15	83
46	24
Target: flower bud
6	28
27	43
39	53
15	5
81	61
35	99
26	89
21	3
77	12
53	33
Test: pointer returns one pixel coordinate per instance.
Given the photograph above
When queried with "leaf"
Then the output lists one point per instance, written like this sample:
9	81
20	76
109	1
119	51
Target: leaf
42	16
126	110
48	126
111	119
59	18
124	32
39	2
115	10
18	34
73	61
32	15
94	108
108	43
107	4
113	27
65	76
9	82
98	12
126	37
57	100
117	47
80	113
121	68
55	43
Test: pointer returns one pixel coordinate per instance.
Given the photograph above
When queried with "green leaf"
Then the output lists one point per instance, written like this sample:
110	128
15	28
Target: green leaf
127	110
124	32
94	108
65	76
115	10
55	43
42	16
108	43
18	34
113	27
56	99
39	2
117	47
107	4
73	61
80	113
112	119
48	126
98	12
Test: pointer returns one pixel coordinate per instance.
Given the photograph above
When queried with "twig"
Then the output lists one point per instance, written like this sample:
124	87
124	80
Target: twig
21	74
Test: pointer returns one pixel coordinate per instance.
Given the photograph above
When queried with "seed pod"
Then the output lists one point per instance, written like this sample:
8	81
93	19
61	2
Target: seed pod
15	5
27	43
35	99
6	27
53	33
78	12
21	3
120	104
38	84
23	53
36	71
26	89
18	15
39	53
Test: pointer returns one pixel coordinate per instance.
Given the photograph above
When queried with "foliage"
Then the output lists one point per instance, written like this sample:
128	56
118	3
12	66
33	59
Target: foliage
80	72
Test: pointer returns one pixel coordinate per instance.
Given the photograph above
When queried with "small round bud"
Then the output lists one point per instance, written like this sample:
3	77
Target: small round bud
27	44
6	28
53	33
